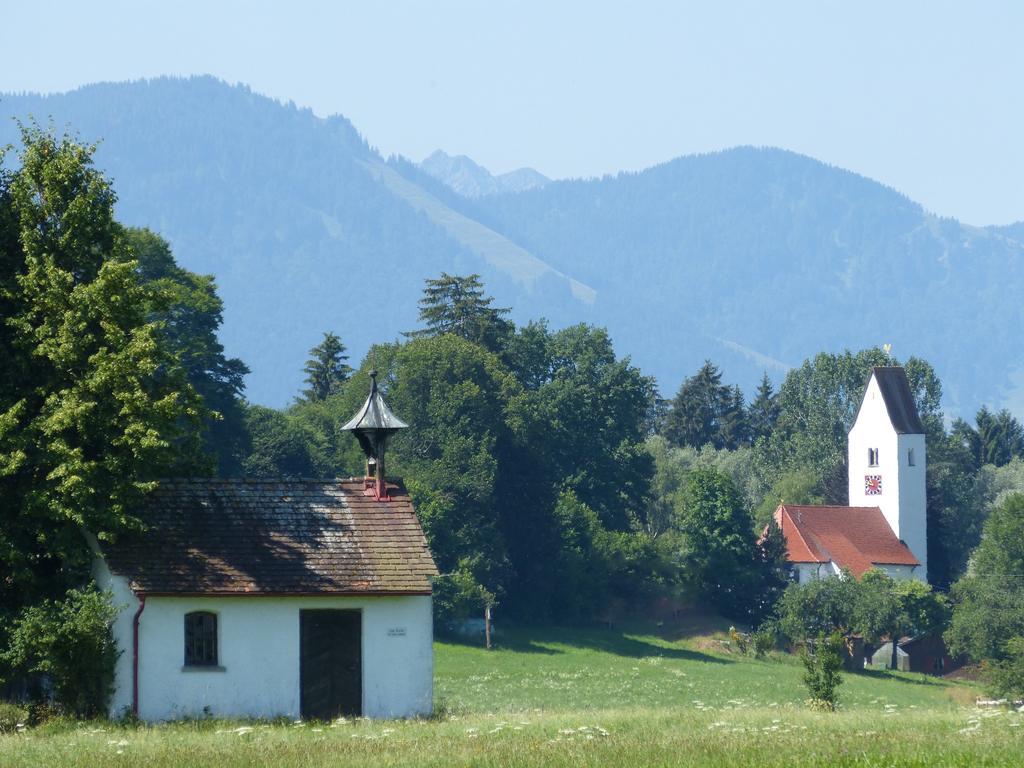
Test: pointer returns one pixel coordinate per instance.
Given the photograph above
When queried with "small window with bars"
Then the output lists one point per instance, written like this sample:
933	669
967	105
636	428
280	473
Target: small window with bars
872	457
201	639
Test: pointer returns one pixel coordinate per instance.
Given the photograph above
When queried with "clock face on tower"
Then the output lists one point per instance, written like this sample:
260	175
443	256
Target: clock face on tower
873	485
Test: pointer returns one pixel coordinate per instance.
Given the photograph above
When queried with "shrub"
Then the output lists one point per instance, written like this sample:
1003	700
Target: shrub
822	661
739	640
457	595
12	717
763	641
1006	677
70	642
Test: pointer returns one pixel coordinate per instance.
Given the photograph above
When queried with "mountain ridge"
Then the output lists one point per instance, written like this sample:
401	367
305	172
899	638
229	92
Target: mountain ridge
754	257
470	179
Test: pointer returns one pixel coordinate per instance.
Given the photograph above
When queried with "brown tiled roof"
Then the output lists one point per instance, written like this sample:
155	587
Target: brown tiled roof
857	538
275	537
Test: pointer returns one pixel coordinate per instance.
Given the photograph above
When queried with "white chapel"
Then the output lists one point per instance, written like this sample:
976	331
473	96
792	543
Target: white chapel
885	525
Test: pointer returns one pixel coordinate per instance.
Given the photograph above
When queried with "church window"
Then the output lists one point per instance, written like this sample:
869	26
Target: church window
910	457
200	639
872	457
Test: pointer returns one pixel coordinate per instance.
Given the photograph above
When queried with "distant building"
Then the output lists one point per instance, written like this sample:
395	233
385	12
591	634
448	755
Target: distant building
262	598
886	527
927	654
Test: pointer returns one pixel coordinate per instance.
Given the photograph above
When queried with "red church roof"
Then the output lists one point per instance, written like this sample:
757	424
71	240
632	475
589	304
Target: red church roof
857	538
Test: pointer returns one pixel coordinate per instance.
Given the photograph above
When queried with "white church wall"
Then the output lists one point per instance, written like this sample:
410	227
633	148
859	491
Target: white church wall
900	572
806	572
874	432
903	489
913	501
258	656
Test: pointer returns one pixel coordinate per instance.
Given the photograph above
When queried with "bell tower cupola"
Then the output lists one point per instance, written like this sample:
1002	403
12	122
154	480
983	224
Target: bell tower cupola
373	426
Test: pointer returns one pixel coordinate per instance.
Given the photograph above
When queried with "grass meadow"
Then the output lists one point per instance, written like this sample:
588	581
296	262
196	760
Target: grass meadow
587	698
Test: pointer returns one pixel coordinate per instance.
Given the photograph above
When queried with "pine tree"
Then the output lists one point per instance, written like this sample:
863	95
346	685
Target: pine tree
698	409
773	559
326	369
733	428
457	305
763	411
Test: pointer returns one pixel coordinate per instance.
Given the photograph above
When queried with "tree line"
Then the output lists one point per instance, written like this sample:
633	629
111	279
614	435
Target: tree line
548	474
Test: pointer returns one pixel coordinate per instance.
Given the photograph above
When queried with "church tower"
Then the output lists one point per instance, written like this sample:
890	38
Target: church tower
887	460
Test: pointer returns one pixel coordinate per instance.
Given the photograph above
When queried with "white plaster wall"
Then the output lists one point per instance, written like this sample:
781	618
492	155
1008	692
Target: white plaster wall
913	500
258	640
872	429
809	571
126	603
806	572
900	572
903	497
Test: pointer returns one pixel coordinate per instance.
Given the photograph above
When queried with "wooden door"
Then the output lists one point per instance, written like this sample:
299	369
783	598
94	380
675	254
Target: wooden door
331	668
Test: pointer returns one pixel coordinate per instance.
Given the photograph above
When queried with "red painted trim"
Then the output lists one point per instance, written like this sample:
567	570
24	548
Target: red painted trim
135	653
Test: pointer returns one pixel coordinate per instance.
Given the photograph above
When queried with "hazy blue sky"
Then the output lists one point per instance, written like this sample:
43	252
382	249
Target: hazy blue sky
924	96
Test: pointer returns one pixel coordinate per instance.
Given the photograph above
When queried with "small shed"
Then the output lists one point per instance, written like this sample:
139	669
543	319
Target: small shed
927	654
883	658
255	598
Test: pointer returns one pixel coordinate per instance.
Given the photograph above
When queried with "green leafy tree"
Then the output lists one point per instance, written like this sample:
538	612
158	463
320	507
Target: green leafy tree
93	405
280	445
71	642
457	305
878	612
957	503
189	314
1005	677
720	551
457	595
988	602
326	370
454	394
821	606
576	473
798	486
583	426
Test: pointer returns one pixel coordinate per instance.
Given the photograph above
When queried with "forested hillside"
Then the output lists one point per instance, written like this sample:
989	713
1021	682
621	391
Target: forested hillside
772	254
303	224
756	258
